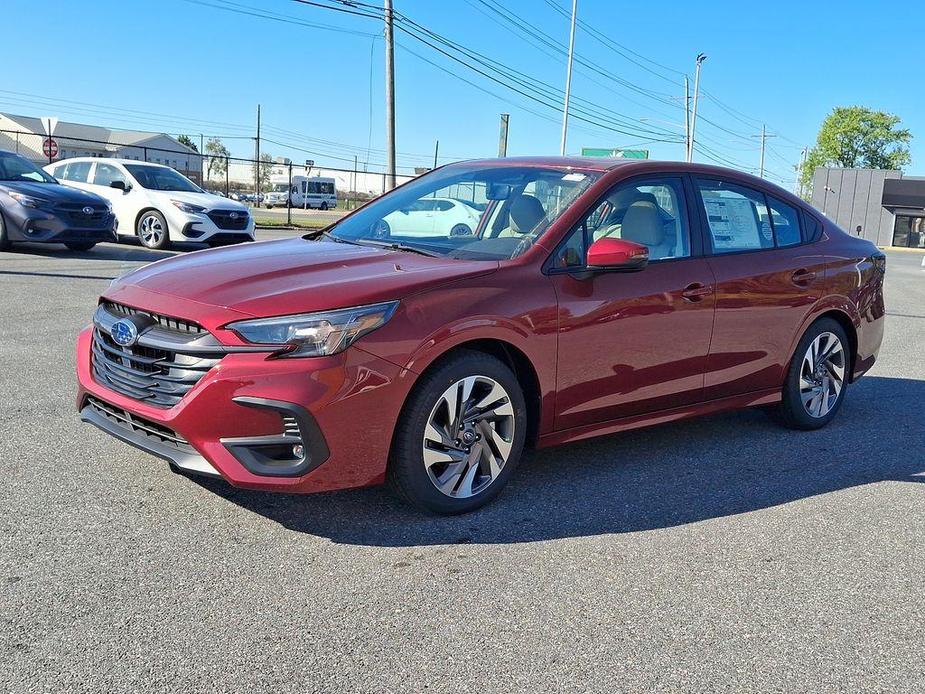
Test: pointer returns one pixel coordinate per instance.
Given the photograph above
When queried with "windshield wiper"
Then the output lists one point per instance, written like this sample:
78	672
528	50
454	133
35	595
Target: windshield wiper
393	246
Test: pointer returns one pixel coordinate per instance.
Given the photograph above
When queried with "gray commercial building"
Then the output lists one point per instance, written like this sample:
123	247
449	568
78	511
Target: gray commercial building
882	206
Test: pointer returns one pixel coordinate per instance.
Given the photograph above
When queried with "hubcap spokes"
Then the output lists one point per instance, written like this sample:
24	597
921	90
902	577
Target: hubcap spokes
151	230
468	437
822	375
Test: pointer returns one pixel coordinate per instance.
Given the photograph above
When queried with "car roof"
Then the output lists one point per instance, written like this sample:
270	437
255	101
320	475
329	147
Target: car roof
114	160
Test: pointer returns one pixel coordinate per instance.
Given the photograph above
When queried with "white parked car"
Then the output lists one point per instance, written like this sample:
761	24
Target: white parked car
434	217
156	203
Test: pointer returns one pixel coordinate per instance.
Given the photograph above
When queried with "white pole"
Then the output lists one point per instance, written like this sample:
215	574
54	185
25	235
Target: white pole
568	77
687	119
690	151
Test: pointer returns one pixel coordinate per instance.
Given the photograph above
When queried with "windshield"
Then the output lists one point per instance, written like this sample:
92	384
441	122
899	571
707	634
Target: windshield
16	168
466	211
161	178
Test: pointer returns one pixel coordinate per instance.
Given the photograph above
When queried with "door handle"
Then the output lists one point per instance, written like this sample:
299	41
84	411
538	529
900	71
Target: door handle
695	291
802	277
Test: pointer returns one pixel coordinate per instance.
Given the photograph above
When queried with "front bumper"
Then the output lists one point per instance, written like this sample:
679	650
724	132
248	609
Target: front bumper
350	403
200	228
42	226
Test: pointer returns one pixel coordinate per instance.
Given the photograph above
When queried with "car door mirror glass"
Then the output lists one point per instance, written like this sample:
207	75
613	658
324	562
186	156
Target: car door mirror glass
119	185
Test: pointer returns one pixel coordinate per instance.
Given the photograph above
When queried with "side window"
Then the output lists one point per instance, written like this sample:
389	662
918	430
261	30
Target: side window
786	222
105	174
737	216
444	205
77	171
650	212
58	172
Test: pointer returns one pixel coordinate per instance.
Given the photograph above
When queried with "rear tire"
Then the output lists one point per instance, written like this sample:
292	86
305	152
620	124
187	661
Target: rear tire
459	436
324	207
817	378
80	246
152	230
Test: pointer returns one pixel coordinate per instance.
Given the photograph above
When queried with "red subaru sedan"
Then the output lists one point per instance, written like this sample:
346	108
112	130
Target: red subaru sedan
430	336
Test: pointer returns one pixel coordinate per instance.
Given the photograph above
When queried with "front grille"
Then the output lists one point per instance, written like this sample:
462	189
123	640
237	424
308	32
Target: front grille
167	322
74	214
136	424
223	219
156	376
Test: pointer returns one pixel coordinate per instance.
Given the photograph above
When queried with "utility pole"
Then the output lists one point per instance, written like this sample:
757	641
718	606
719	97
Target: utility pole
257	161
389	98
764	140
436	149
568	77
690	145
202	161
800	172
687	118
502	139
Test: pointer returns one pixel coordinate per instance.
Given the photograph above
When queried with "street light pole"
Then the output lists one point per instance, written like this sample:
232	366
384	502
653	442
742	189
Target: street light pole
568	77
687	118
690	145
389	98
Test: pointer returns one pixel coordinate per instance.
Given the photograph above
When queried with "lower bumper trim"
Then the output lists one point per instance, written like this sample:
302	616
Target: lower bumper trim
188	462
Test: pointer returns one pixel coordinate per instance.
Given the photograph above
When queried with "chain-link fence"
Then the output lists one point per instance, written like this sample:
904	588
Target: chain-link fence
287	191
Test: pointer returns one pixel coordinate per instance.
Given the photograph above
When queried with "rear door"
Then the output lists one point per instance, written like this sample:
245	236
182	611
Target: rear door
767	280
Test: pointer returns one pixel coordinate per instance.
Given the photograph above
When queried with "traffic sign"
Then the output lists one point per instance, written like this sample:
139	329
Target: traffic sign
50	148
617	153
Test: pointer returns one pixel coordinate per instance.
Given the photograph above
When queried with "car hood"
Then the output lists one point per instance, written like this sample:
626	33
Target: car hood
206	200
52	192
273	278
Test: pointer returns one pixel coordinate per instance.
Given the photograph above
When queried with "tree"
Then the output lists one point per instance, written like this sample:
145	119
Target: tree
857	137
188	141
218	161
266	170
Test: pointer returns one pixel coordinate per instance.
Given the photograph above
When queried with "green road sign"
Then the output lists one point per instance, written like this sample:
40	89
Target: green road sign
617	153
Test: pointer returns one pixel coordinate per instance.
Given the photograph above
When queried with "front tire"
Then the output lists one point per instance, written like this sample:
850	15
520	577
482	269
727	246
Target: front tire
460	435
324	207
4	237
817	377
152	230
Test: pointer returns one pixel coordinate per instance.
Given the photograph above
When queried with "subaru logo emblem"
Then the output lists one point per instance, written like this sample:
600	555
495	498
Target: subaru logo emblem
233	215
124	333
88	210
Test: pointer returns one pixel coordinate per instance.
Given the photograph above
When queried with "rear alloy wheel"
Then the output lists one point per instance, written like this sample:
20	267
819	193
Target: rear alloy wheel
324	207
80	245
817	377
152	230
461	230
460	436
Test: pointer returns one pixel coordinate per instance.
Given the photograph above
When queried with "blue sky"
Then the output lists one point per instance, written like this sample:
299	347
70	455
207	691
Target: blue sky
194	67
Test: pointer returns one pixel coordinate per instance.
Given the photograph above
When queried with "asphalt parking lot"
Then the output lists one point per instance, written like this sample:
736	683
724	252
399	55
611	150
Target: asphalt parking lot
722	554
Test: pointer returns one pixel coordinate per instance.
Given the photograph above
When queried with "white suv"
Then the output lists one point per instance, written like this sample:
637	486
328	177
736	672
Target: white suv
157	203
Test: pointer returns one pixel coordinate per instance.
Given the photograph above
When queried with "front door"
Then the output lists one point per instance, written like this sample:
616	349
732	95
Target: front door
632	343
123	201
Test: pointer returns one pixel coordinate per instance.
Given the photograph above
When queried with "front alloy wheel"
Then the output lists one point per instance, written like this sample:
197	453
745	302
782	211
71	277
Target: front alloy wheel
468	437
460	434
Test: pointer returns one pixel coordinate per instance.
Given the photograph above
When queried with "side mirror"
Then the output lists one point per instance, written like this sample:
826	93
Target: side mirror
119	185
616	255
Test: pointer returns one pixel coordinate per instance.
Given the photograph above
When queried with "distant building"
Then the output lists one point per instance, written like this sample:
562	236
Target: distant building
25	135
887	207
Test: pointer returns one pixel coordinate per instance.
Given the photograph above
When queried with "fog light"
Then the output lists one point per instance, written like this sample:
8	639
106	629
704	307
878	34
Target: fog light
298	451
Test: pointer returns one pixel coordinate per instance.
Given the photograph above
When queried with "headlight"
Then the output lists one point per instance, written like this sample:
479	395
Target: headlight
25	200
316	334
187	207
